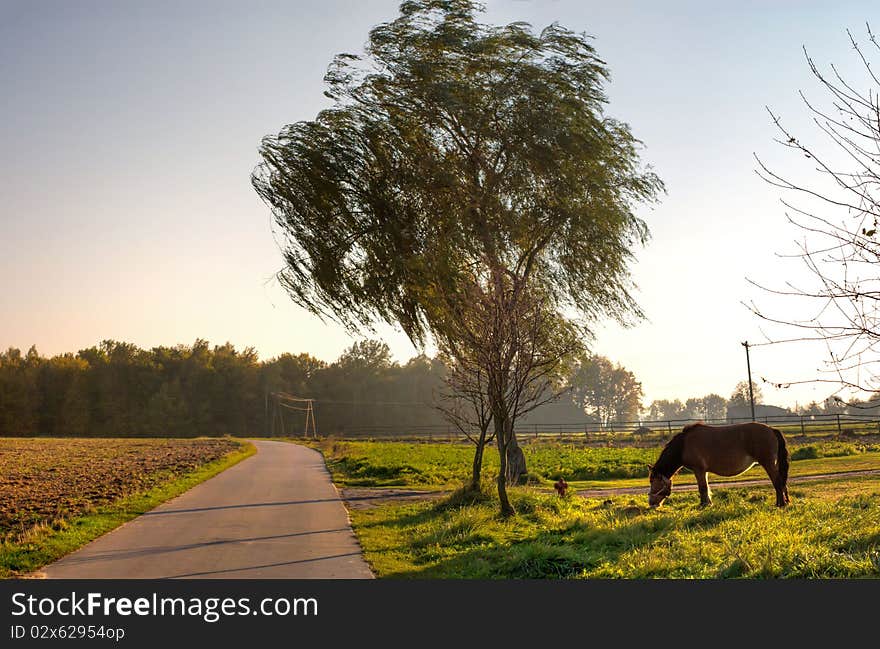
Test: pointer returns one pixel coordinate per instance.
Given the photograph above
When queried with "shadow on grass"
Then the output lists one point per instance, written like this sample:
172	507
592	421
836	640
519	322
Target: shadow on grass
549	538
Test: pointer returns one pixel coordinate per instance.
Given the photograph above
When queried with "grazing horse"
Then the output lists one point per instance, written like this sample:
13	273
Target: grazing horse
723	450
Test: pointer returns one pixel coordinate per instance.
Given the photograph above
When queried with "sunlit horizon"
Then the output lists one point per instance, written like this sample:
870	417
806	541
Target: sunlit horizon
129	133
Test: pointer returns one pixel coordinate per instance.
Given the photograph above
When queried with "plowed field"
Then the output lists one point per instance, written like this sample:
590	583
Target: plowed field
42	480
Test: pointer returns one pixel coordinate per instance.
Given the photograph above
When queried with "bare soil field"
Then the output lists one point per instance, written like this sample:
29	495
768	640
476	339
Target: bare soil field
44	480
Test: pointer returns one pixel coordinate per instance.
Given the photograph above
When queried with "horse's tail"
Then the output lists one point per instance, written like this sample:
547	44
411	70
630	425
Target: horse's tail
782	457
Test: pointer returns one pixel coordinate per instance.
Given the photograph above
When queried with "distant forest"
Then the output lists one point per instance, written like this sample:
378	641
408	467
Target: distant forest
118	389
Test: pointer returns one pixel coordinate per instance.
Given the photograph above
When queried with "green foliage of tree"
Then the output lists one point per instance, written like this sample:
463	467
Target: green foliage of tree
64	405
606	392
666	410
714	406
467	175
810	409
740	395
453	143
19	390
709	407
117	389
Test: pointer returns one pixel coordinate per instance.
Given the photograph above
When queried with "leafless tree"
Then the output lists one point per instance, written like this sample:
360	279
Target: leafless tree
517	349
463	403
836	209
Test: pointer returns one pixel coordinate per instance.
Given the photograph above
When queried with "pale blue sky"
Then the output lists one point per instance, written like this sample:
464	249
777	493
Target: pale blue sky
128	132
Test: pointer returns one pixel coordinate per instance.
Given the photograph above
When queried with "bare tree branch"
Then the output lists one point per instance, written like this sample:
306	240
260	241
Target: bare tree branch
840	247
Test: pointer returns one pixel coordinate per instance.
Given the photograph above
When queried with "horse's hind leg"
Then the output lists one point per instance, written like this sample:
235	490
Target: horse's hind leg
703	486
776	479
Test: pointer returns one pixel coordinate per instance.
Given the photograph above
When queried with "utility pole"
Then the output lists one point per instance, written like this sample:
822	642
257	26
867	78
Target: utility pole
749	368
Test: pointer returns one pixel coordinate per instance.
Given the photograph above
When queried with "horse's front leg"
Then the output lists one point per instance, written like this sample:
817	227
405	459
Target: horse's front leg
703	486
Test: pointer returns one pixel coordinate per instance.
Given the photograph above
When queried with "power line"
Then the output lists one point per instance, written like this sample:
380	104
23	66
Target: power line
375	403
288	397
749	367
280	401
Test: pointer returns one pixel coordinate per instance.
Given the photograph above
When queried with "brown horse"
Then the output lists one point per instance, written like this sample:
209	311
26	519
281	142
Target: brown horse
723	450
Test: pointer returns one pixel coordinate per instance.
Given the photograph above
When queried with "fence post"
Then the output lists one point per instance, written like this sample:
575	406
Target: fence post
536	431
669	426
839	431
803	432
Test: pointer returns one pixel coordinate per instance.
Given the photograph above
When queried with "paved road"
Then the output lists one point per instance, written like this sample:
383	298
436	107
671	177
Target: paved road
274	515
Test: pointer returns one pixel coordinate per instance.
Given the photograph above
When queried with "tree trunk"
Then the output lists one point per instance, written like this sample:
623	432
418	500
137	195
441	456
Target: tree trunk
478	464
516	461
501	437
506	508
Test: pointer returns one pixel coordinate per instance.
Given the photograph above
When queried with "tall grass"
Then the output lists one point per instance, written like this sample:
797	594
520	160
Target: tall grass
741	535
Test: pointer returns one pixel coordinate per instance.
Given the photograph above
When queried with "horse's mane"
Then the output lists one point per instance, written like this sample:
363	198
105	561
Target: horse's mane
669	461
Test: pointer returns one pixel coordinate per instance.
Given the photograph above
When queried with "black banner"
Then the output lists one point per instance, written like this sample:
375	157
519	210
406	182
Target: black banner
409	613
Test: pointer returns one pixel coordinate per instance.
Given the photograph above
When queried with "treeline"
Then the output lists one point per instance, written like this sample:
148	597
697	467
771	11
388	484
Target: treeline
119	389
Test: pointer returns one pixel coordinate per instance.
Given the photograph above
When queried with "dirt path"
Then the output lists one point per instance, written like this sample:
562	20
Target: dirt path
620	491
368	497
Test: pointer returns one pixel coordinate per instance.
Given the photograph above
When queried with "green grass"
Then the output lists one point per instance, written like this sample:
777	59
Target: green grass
830	449
838	464
44	544
830	530
444	465
386	464
447	465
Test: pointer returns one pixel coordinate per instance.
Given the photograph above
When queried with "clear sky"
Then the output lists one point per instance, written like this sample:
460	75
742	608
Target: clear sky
128	132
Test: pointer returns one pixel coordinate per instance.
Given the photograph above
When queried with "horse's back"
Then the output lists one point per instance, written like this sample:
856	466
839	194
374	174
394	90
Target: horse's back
729	450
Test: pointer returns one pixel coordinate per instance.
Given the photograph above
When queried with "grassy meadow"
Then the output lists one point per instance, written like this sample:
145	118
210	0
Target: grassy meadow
831	529
447	465
823	533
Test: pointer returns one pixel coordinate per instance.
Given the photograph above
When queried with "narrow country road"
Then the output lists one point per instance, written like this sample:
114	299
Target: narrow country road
276	515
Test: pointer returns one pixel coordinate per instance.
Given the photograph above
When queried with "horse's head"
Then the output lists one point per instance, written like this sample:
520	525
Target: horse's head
661	487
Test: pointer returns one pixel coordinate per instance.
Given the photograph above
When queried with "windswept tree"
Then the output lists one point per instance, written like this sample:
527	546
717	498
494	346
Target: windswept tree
831	193
465	173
